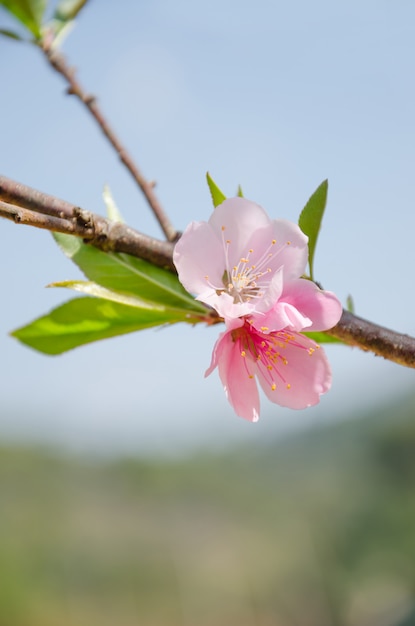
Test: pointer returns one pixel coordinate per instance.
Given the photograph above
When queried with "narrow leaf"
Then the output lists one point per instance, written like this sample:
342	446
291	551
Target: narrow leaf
239	192
217	195
350	304
89	288
67	10
10	34
28	12
322	337
113	212
84	320
310	220
128	275
61	31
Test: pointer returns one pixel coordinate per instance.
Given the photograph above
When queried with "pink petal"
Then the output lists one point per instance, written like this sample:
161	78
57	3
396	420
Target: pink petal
197	254
241	390
303	378
321	307
293	255
282	316
239	218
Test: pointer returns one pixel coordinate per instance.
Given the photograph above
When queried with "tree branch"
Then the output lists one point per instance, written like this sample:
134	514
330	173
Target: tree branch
58	62
356	331
25	205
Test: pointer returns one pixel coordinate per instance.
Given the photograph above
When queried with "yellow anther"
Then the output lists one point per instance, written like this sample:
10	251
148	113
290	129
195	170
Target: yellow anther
243	353
288	386
264	328
250	375
288	243
285	361
274	241
223	228
311	350
251	250
228	241
273	387
244	260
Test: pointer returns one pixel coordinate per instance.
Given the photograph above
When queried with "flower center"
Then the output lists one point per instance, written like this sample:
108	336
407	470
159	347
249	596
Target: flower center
263	353
251	276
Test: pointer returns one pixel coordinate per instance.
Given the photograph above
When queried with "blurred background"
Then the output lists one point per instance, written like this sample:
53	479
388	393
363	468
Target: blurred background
129	491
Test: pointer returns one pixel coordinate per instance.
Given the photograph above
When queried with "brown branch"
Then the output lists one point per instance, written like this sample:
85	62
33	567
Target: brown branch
58	62
355	331
24	205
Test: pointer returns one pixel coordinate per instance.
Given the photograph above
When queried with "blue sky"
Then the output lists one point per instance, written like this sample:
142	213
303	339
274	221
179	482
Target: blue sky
274	96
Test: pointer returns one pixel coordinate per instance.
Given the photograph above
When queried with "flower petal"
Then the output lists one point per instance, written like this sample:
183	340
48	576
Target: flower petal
321	307
305	375
293	248
238	218
241	389
198	254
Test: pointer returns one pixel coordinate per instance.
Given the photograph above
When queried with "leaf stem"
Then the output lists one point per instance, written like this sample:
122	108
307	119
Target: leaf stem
59	64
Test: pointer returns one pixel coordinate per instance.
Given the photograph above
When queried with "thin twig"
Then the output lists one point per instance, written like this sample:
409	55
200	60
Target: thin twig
58	62
25	205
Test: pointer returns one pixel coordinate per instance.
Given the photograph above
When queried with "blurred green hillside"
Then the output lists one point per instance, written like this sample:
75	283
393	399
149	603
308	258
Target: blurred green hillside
316	530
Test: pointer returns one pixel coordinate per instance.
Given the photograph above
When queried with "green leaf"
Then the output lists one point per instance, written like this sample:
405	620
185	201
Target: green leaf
63	19
239	192
310	220
217	195
89	288
322	337
113	212
67	10
128	275
84	320
10	34
60	31
28	12
350	304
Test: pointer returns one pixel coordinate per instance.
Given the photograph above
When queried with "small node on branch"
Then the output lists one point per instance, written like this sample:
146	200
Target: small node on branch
83	218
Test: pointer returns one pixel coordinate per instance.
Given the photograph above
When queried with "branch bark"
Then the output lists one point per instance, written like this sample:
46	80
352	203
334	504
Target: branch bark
25	205
356	331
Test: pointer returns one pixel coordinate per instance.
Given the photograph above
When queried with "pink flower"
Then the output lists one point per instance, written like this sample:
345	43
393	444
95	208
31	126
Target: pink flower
291	368
249	269
239	261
